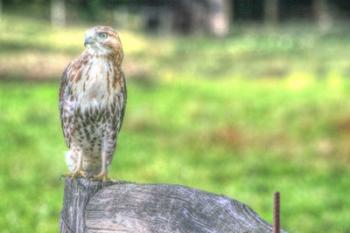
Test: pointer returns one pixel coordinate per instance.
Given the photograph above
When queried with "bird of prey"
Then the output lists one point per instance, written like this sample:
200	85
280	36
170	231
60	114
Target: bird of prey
92	102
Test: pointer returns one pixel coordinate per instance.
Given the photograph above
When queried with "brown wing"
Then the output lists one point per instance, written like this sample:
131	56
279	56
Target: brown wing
123	101
67	105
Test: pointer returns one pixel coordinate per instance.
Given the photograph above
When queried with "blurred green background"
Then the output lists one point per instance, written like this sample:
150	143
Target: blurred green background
257	103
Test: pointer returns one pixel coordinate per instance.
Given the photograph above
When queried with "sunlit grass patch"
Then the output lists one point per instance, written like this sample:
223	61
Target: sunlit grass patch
240	138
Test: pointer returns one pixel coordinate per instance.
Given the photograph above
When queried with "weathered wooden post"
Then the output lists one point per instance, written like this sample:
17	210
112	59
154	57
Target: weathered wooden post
93	207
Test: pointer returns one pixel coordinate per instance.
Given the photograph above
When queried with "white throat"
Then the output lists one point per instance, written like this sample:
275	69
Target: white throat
97	50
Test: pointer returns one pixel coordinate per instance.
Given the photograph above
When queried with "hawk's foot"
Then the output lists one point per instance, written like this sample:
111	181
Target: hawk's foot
102	176
75	174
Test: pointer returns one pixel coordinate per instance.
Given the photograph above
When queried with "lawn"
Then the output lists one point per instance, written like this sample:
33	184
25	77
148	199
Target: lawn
258	112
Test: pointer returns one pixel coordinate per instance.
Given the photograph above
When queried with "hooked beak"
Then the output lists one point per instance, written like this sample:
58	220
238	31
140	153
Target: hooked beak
88	40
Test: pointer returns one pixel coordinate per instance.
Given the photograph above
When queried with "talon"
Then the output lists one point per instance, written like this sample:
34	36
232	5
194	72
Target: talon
101	177
75	174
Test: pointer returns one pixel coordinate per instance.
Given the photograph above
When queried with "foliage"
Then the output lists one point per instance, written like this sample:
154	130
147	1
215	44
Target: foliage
244	116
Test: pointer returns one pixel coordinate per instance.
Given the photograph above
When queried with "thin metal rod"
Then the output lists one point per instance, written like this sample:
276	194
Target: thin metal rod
276	213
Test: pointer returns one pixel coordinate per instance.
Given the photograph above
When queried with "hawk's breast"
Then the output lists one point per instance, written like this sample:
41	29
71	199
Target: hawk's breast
94	87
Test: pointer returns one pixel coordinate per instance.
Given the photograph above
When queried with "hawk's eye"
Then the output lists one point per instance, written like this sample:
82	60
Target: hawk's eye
102	35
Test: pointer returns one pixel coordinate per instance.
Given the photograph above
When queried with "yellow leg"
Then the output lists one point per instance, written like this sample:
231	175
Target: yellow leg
103	175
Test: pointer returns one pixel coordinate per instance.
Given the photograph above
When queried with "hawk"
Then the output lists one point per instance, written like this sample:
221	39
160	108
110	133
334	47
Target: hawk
92	102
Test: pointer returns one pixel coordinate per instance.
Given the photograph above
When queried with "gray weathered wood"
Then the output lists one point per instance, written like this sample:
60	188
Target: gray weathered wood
77	194
152	208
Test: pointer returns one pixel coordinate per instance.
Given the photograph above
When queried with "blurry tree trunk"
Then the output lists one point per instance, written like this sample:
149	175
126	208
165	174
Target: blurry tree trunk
0	10
271	12
219	17
58	12
322	14
195	16
121	17
231	5
189	16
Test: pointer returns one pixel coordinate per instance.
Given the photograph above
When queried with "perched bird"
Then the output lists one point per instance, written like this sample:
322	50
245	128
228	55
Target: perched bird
92	102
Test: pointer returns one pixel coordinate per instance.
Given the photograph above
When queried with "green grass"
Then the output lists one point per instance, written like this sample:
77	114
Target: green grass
197	115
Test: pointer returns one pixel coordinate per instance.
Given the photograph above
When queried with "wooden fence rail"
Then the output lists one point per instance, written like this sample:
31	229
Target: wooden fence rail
93	207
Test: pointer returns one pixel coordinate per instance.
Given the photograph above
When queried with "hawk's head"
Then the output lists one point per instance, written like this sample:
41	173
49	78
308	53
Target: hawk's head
102	40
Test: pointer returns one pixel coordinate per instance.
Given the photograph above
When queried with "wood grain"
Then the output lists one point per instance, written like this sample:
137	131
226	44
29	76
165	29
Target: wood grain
94	207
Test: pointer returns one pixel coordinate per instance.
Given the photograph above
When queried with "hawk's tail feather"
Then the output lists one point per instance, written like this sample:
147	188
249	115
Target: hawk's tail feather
70	160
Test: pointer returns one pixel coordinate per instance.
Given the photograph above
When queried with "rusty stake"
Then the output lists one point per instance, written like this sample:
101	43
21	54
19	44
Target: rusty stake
276	213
